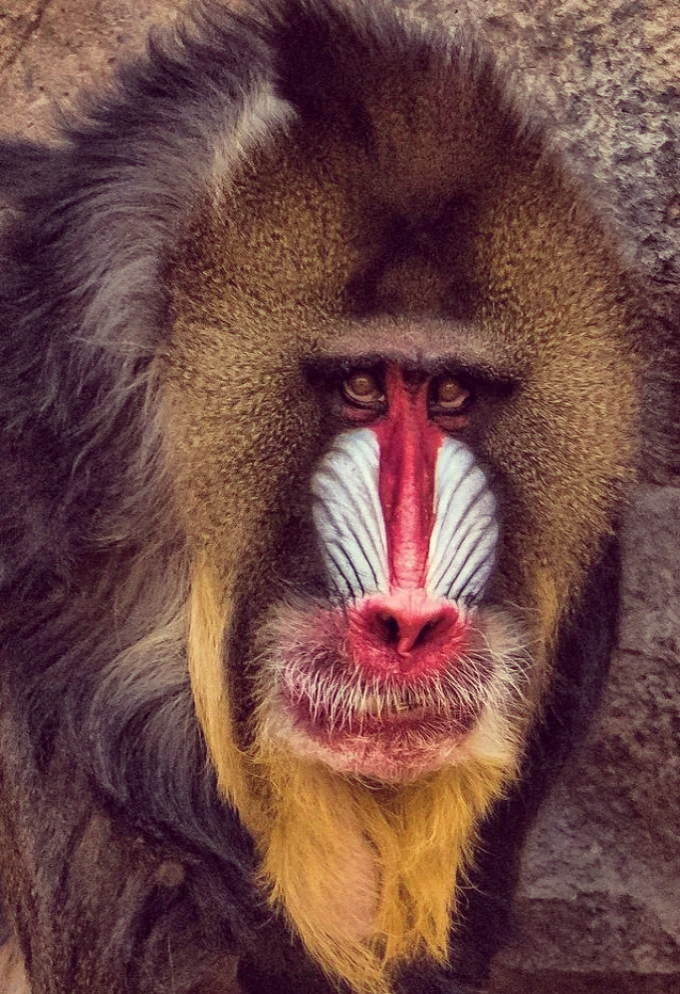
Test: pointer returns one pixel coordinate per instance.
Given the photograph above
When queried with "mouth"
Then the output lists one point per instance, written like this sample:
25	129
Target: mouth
378	740
391	726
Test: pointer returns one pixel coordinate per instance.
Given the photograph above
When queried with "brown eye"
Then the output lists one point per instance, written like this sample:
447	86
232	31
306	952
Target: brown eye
362	388
450	396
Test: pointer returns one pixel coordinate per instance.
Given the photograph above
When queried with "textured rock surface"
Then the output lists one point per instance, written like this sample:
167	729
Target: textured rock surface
607	74
49	48
599	905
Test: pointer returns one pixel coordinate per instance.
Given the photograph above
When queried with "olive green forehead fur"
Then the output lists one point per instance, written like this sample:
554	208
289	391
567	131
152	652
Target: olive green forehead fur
298	240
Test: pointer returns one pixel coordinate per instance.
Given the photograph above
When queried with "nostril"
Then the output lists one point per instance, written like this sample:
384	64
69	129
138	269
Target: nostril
406	630
425	632
388	627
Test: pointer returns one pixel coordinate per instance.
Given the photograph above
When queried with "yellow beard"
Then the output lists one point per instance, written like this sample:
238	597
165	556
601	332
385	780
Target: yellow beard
366	874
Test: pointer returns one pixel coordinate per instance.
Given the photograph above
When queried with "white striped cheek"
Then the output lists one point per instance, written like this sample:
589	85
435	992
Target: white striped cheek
465	534
348	515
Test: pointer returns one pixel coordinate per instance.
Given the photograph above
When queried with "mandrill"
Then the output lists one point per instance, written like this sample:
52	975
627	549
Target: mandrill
323	387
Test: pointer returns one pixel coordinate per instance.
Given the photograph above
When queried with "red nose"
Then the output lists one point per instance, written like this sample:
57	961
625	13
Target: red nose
405	632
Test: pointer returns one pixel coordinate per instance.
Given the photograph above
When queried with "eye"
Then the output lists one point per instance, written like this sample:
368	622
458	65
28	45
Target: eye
450	396
363	389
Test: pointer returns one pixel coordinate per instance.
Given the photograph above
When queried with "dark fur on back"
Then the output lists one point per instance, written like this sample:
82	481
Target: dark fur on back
122	869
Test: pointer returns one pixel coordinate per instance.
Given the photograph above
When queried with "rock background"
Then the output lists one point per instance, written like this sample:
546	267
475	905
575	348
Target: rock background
599	904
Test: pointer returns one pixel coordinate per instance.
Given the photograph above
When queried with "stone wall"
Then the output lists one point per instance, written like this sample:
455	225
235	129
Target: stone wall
598	910
599	904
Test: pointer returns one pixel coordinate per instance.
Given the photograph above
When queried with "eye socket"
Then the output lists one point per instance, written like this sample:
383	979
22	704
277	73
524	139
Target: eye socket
450	396
363	389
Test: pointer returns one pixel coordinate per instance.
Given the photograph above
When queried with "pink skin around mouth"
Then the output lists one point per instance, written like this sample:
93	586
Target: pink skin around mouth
397	749
395	745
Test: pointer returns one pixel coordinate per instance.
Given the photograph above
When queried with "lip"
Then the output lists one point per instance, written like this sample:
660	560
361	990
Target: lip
394	722
398	746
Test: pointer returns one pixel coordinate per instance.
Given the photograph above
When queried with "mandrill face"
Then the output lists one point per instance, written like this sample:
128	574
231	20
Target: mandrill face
404	667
